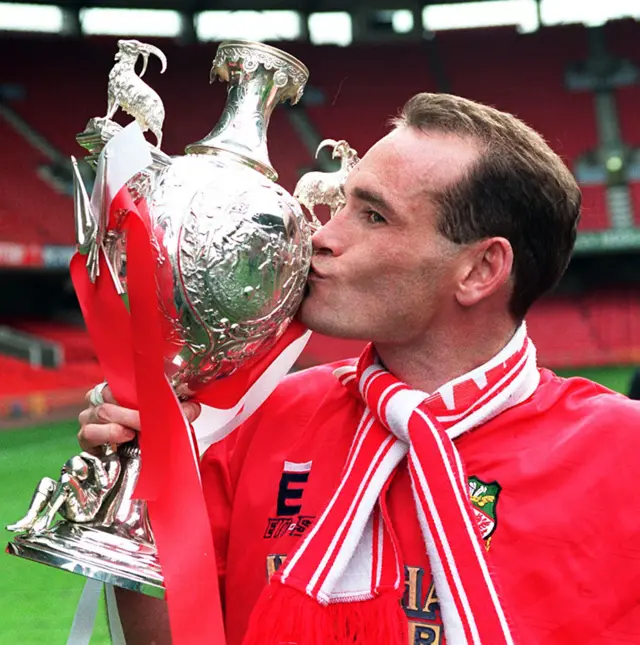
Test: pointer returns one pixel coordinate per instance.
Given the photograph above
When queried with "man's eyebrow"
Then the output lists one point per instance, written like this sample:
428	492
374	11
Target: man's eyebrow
373	198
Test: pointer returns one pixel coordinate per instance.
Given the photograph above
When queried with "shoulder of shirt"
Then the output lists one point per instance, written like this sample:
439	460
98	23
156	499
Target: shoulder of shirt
309	384
580	396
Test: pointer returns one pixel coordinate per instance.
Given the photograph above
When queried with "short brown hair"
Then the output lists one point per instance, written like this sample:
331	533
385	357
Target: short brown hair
518	189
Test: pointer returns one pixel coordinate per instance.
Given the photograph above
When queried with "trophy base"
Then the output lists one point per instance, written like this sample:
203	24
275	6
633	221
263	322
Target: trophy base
94	553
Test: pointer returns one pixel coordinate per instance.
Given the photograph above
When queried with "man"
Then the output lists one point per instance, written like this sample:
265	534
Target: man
455	223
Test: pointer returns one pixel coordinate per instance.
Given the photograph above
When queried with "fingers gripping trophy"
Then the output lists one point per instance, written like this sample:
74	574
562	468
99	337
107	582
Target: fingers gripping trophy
230	252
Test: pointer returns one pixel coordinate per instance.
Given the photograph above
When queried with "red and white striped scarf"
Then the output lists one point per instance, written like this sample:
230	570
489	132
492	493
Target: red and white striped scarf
343	582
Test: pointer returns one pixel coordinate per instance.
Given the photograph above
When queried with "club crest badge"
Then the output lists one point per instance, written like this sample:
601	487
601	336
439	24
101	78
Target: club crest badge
484	497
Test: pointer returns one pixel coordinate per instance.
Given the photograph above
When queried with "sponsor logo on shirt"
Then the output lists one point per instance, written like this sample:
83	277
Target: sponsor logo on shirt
420	603
288	518
294	526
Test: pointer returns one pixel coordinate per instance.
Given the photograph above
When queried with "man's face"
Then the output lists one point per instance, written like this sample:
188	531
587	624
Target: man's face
381	270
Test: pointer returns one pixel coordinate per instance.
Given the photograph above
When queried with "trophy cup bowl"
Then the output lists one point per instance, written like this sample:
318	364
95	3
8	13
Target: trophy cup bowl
233	251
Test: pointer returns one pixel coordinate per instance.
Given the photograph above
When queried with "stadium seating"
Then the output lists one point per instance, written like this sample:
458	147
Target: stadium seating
524	74
594	214
598	328
73	339
560	328
363	87
634	189
18	377
34	391
31	211
622	38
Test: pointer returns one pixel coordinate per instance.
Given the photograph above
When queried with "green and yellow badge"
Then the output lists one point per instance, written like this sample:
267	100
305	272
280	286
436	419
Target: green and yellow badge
484	497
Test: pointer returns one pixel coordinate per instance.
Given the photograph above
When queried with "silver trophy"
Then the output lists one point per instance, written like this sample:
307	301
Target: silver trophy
238	249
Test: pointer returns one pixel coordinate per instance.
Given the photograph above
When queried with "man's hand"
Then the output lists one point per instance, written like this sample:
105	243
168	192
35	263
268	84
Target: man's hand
110	423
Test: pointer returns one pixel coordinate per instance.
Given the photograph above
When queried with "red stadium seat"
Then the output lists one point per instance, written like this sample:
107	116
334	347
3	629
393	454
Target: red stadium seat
31	211
634	189
622	39
594	209
18	377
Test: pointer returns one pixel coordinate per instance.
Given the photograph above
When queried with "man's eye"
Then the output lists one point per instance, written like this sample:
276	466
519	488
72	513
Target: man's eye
375	217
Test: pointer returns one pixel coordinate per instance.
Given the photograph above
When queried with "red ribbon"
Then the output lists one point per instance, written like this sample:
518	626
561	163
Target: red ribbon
109	327
131	349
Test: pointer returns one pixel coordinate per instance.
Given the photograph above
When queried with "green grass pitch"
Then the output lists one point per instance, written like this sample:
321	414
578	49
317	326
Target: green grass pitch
37	603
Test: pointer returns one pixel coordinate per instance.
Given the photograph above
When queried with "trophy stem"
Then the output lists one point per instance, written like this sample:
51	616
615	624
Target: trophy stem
259	78
250	104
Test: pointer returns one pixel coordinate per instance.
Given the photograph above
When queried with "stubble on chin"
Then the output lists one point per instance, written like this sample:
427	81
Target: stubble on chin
322	316
305	313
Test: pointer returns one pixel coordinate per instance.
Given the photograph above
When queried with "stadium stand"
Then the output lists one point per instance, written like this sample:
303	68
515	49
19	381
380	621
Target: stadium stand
622	38
31	211
634	190
600	327
524	73
361	88
594	215
25	389
18	377
76	344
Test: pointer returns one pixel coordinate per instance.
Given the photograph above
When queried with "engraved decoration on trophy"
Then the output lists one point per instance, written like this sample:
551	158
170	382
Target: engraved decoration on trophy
327	188
232	255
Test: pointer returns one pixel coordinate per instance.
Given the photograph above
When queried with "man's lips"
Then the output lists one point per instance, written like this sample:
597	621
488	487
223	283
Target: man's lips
314	274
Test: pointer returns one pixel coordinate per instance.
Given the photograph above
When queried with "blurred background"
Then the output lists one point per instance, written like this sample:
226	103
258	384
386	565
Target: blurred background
570	69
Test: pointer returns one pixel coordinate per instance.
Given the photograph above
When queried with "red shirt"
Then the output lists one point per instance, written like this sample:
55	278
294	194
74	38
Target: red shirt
553	480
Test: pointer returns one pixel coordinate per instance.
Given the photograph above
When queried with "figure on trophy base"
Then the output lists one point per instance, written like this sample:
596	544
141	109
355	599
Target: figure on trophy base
84	484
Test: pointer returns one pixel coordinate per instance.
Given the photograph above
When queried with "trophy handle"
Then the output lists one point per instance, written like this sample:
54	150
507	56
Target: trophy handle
327	188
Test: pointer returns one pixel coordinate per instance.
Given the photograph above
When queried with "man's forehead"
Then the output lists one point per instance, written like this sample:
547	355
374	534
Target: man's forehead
413	159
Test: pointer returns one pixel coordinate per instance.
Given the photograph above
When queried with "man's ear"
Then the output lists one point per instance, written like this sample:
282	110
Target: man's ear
487	268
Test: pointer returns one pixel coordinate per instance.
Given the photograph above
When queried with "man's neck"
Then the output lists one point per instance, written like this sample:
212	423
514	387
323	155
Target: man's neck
429	364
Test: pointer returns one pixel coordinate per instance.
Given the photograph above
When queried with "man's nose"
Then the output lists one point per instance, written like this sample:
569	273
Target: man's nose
327	239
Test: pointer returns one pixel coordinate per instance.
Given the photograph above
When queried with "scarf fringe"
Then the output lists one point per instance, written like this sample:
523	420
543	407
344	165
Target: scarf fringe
286	616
